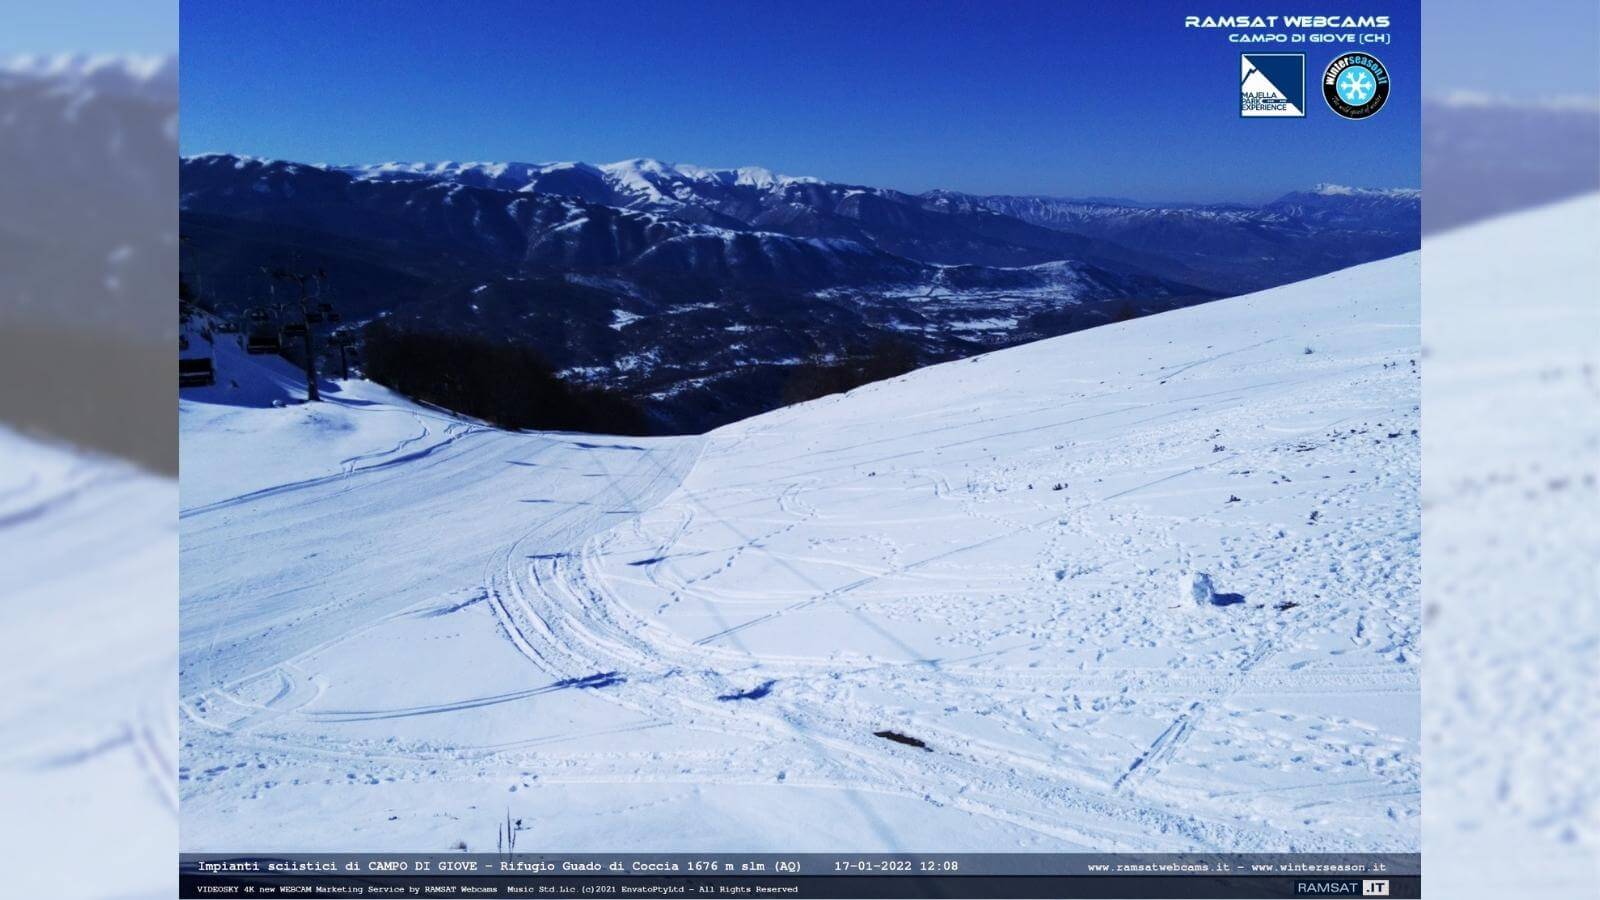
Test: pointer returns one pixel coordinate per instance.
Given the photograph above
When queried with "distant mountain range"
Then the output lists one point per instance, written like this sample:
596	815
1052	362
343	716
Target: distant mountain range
88	252
1233	248
1225	247
697	290
1484	155
86	205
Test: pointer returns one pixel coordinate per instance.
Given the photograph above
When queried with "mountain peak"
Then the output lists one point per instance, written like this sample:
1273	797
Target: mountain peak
147	76
752	176
1340	190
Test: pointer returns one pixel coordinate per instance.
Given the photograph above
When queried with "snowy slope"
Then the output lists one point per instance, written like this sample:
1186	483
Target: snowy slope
258	401
985	556
1513	638
611	637
88	732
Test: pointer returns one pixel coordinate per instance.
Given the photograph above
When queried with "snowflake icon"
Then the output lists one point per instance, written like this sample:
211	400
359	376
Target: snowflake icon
1355	85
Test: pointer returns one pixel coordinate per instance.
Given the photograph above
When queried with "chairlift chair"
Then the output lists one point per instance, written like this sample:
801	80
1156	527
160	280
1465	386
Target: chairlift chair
196	371
294	329
262	342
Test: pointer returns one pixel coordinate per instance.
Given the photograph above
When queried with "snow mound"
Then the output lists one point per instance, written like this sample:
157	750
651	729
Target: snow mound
1196	588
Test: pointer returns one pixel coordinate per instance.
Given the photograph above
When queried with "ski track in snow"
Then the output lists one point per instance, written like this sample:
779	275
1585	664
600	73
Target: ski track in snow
391	646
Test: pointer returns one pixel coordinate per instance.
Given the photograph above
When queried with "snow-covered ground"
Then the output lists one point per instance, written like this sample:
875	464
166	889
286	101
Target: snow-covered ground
986	556
397	627
1511	494
88	728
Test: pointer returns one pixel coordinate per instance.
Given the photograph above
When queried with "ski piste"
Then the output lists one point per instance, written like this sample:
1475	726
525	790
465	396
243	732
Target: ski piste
399	625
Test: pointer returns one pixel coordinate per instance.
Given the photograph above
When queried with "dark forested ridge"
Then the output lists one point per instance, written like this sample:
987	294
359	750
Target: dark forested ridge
701	297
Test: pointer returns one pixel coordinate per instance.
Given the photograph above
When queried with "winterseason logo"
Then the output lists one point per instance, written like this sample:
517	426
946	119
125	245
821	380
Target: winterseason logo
1356	85
1272	85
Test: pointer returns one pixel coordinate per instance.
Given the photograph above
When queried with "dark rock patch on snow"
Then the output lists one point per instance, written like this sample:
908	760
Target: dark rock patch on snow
755	693
906	739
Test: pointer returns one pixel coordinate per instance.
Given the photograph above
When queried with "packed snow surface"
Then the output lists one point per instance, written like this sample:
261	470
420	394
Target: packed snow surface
398	626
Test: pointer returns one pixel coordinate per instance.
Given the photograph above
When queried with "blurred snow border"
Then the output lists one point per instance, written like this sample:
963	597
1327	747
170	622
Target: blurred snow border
1511	571
1511	561
88	730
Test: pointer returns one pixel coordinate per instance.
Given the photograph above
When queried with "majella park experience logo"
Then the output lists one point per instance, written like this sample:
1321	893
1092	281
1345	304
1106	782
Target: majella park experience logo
1356	85
1272	85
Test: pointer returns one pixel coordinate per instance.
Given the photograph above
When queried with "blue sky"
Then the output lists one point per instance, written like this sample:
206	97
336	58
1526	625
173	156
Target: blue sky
93	26
1050	97
1518	50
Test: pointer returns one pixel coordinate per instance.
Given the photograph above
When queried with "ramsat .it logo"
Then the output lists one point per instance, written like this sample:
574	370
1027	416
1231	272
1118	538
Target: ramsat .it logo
1272	85
1356	85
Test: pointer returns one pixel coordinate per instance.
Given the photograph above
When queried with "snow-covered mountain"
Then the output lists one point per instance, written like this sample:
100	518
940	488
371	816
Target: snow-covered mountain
88	251
747	199
1157	235
153	78
517	231
633	183
1234	247
87	157
695	289
1225	247
1484	155
400	627
1387	210
716	313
